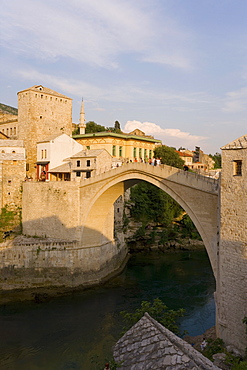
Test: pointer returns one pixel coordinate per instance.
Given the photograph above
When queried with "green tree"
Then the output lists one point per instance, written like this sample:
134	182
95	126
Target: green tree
151	204
76	131
188	228
217	159
116	128
158	311
168	156
92	127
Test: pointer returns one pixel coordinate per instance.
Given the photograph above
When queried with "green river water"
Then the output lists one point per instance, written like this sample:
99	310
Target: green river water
77	331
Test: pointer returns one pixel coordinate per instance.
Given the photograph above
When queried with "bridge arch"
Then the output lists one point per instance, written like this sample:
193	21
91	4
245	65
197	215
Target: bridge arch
189	190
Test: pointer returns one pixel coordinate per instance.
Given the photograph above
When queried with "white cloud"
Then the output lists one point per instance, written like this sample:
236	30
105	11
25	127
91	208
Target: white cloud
236	101
68	86
123	94
169	136
93	32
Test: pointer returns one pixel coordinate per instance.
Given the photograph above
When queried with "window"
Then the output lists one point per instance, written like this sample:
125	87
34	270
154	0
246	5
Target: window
78	174
13	151
78	163
11	131
150	154
66	177
14	130
45	154
120	151
114	150
42	154
88	162
27	167
3	151
134	152
88	174
41	96
88	147
237	168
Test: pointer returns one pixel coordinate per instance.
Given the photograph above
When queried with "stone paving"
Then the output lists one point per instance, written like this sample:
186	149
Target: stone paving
149	345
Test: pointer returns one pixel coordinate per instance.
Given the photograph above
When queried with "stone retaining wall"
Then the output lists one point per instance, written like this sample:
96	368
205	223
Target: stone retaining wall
45	264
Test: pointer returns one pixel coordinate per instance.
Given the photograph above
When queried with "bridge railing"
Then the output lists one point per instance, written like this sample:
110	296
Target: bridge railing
173	170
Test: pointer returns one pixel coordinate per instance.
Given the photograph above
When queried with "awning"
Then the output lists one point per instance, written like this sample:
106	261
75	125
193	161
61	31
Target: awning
42	163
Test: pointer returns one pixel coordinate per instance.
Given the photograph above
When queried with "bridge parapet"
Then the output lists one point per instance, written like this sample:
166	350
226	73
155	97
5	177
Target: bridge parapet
191	179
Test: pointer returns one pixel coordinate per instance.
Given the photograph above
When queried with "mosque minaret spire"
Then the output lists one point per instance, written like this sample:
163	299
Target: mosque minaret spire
82	124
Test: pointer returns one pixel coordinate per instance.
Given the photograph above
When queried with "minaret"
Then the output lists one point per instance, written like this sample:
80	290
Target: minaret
82	124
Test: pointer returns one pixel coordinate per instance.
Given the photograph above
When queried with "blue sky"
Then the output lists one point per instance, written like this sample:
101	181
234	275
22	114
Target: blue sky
176	69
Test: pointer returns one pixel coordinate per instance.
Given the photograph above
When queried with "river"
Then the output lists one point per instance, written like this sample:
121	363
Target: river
77	331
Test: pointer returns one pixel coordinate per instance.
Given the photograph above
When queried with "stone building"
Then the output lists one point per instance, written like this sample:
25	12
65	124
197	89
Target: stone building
12	172
232	281
52	151
123	147
201	162
41	112
9	121
83	165
149	345
186	157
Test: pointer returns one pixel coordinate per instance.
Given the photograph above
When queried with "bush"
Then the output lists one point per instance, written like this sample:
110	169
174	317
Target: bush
157	310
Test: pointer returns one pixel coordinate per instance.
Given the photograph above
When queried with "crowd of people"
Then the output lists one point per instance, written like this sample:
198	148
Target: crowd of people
152	161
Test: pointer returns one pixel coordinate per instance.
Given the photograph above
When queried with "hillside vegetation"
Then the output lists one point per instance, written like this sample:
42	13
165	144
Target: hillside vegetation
7	109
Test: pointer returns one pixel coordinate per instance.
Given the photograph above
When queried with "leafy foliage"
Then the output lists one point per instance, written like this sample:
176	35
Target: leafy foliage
116	129
157	310
117	126
214	346
76	131
7	109
10	221
168	156
96	363
188	228
242	365
150	204
218	346
92	127
217	159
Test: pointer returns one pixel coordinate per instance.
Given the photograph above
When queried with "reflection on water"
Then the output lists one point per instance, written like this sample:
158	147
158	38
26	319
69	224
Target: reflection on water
78	331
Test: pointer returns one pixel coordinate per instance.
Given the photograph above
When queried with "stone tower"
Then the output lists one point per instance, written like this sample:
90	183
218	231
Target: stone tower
42	113
82	125
232	269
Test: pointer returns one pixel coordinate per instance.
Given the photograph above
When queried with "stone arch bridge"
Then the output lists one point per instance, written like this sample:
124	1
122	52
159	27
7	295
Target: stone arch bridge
76	220
197	195
86	213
